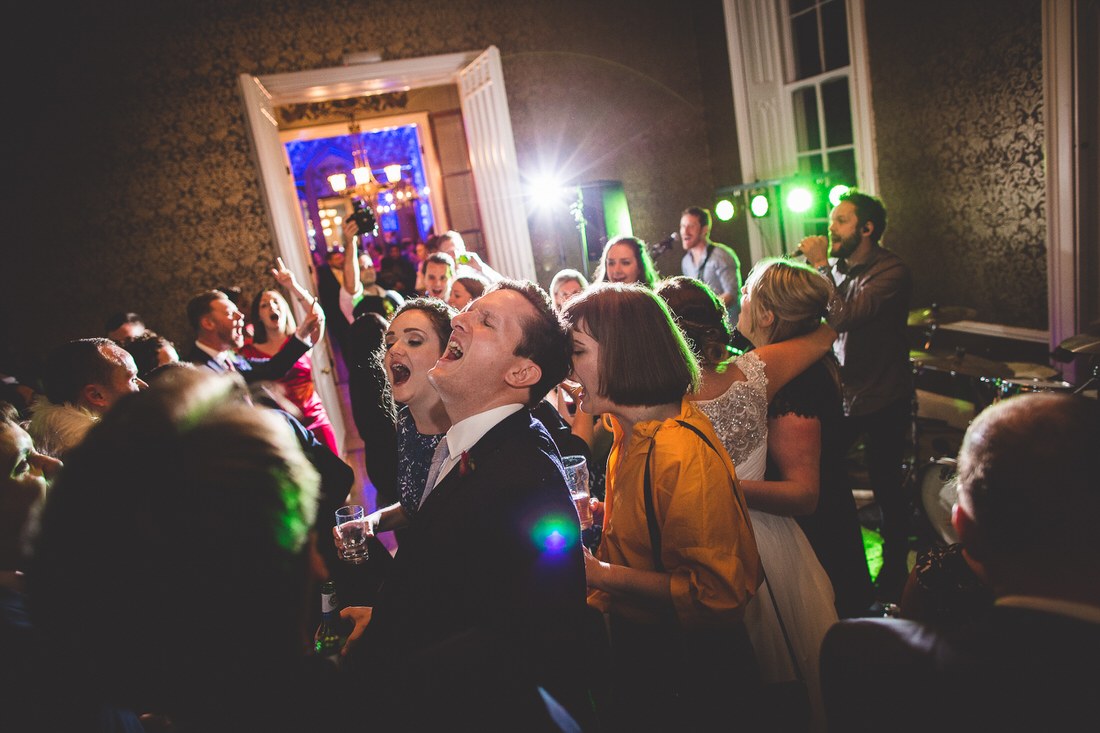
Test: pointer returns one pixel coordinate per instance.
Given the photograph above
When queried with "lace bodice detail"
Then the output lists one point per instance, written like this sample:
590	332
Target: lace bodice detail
740	415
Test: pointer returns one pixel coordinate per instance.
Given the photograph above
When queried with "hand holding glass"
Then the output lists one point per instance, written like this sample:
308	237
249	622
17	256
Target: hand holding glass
576	473
351	525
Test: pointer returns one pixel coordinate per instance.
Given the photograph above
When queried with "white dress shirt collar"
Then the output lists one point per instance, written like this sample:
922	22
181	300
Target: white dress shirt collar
222	357
464	435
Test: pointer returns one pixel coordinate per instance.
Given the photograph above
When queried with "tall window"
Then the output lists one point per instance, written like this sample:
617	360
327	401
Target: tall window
802	101
817	73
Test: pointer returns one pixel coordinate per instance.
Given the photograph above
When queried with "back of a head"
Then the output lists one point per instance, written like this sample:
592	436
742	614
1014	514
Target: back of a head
1027	477
71	367
700	315
146	350
644	358
118	320
183	507
545	338
795	293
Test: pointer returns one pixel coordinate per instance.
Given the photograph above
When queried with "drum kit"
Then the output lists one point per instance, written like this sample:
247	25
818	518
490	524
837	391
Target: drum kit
984	382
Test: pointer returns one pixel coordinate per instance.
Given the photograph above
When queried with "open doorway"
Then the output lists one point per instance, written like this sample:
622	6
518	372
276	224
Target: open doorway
486	129
402	146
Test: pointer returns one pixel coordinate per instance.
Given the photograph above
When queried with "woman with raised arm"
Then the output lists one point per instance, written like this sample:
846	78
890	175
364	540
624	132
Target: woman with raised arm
678	563
789	300
273	325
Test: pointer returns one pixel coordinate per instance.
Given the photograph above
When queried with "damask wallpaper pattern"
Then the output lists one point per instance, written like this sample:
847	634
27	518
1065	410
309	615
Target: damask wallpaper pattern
170	201
138	105
957	91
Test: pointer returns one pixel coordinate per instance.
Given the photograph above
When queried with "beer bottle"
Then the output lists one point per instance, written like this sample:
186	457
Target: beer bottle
329	642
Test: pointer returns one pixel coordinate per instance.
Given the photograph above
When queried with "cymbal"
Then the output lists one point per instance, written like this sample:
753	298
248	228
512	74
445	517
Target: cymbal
1024	370
1082	343
967	365
940	314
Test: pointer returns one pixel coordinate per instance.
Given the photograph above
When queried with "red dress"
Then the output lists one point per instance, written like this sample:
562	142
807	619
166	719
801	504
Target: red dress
298	385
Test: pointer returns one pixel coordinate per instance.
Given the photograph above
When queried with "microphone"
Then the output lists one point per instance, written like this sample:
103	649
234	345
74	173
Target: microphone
796	253
656	250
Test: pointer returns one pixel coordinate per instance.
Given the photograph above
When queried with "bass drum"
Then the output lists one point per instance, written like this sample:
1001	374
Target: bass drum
937	493
1009	387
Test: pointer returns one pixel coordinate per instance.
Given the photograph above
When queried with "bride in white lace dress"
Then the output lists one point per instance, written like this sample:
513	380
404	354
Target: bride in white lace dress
735	395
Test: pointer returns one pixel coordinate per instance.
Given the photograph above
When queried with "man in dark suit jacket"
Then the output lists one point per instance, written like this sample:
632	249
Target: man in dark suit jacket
219	329
1027	514
494	549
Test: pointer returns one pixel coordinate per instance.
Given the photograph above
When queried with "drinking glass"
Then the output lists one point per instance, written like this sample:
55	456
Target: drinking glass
351	524
576	473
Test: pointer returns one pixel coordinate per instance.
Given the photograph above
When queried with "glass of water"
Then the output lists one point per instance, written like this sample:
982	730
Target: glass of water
351	524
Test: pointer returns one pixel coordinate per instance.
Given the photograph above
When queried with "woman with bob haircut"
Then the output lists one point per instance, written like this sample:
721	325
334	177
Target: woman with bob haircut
678	561
735	394
625	260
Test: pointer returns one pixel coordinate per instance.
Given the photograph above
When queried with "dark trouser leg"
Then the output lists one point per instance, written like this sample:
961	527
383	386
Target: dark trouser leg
884	442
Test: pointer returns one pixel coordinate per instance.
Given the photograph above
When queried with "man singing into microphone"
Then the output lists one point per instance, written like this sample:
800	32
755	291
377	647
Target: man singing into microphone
869	311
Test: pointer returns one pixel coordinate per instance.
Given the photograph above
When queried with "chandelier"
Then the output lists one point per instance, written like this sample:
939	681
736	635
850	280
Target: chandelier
394	193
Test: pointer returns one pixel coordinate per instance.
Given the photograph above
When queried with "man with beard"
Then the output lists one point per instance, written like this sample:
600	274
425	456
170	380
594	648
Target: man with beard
869	311
219	330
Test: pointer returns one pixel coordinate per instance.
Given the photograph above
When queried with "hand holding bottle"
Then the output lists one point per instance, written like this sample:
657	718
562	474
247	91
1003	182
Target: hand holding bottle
360	616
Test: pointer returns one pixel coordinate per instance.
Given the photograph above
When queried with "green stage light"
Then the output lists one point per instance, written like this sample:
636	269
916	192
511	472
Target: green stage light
799	200
836	192
759	205
724	210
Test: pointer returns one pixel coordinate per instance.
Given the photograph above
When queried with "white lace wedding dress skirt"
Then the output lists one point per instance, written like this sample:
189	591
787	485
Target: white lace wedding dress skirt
795	578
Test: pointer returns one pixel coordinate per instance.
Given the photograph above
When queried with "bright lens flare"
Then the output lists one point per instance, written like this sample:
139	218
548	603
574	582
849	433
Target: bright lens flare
799	200
555	534
545	191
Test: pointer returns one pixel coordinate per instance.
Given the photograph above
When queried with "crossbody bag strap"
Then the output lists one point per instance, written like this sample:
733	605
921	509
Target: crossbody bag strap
651	515
771	593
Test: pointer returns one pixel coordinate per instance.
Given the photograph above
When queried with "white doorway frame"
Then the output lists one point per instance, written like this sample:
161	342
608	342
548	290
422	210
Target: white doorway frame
480	81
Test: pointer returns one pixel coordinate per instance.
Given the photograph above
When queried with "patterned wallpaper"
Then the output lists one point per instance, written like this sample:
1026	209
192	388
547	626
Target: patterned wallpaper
163	198
957	90
137	188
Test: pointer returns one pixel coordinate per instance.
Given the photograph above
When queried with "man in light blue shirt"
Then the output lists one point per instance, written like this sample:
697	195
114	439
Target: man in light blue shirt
715	264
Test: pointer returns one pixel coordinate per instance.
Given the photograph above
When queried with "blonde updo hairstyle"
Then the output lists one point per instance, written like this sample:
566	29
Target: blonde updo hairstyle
796	294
